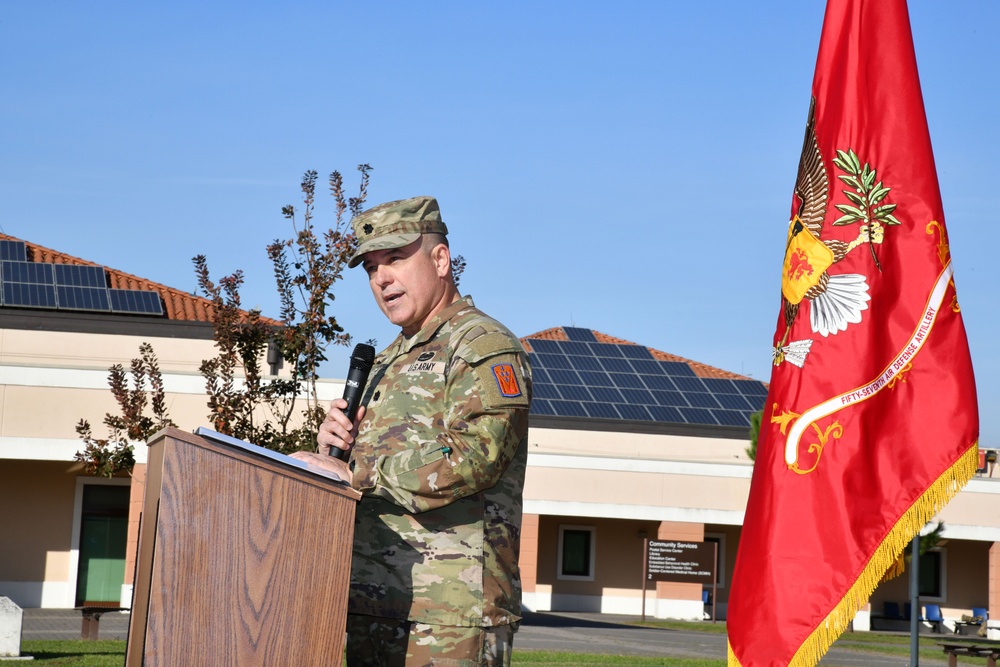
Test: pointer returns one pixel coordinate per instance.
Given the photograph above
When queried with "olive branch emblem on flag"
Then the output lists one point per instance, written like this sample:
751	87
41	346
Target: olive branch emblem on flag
865	196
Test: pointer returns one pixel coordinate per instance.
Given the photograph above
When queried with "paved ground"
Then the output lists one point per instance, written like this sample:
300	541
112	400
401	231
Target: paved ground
603	633
584	633
67	624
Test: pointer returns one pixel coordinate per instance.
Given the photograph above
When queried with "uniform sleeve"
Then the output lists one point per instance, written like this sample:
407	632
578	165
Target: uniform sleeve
486	418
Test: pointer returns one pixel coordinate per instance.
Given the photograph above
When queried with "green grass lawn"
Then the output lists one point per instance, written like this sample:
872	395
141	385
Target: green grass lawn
109	653
75	653
543	658
80	653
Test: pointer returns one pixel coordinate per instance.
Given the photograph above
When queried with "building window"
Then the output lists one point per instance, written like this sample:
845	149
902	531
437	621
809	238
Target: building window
576	552
933	579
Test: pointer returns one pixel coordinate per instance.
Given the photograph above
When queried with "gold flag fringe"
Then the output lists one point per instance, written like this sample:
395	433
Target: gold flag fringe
923	510
896	569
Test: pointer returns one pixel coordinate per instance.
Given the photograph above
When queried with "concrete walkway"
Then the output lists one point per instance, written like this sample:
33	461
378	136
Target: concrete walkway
577	633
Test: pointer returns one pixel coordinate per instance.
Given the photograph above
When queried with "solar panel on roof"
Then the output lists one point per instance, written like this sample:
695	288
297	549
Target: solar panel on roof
616	365
30	295
575	392
604	350
659	382
601	411
638	396
584	363
596	379
606	394
635	352
751	388
677	369
550	361
698	415
541	407
626	380
733	402
83	298
700	400
13	250
633	412
561	377
544	390
543	345
568	408
136	302
690	384
665	414
643	367
577	333
580	378
731	417
671	398
720	386
81	288
34	273
570	347
80	276
27	284
69	287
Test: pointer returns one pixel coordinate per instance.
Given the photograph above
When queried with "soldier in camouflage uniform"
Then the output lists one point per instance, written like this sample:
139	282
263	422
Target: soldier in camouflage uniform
438	451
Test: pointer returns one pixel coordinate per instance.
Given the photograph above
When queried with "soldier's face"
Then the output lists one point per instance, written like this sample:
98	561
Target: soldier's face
410	283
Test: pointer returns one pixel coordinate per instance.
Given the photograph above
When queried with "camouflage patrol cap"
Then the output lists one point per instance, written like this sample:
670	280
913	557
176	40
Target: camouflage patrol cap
395	224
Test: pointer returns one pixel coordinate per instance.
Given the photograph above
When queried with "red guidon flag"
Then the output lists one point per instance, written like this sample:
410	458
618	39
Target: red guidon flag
871	423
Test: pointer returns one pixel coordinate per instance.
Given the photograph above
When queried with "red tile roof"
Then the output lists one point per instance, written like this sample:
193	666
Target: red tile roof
178	305
700	369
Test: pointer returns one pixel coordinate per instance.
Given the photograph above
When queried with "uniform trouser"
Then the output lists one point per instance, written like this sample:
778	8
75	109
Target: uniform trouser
384	642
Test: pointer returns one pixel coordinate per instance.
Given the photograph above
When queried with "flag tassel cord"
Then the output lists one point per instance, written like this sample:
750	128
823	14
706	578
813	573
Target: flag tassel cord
923	510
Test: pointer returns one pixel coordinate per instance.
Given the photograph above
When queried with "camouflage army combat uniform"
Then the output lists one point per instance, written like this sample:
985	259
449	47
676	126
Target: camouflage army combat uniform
440	459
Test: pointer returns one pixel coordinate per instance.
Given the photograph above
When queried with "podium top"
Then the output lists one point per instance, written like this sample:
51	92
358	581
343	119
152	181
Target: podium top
284	459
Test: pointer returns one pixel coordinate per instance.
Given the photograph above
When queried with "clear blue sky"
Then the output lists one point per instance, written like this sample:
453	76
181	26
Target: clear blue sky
625	167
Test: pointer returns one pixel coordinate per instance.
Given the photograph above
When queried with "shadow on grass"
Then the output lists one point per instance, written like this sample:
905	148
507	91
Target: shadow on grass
75	653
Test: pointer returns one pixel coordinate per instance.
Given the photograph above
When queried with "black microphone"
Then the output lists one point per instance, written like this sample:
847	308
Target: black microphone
361	365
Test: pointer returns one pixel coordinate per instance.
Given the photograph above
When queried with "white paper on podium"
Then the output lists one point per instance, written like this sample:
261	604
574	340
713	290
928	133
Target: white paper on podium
209	434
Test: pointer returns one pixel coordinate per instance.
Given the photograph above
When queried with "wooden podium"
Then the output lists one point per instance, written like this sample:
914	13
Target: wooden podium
244	558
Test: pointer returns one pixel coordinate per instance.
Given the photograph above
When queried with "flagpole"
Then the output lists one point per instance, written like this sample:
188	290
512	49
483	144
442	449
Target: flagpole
915	602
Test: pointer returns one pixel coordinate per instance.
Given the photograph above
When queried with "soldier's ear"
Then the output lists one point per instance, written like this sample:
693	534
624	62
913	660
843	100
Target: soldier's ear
441	256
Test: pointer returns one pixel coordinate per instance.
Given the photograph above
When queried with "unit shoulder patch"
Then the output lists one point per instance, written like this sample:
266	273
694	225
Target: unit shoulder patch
501	382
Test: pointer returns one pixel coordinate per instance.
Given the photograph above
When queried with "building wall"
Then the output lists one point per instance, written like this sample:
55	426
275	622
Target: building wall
61	349
966	582
48	382
618	486
617	583
621	484
638	446
44	519
39	516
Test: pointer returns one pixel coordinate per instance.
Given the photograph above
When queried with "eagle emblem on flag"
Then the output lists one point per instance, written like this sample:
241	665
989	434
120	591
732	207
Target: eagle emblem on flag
809	275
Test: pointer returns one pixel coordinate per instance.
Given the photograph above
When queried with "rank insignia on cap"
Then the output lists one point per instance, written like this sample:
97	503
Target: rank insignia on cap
506	380
368	228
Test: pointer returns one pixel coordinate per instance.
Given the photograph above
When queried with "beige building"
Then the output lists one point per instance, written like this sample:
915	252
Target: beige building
626	442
